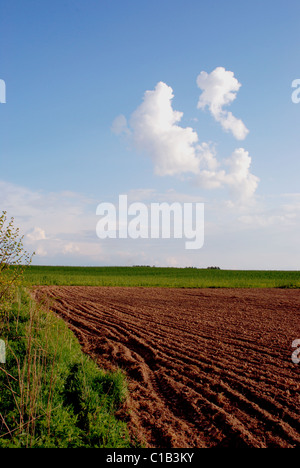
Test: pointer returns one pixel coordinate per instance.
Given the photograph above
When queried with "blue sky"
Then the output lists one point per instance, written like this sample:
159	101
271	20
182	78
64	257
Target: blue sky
73	67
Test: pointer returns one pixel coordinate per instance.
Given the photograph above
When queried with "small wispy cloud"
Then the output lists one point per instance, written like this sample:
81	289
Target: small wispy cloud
36	234
219	89
71	248
119	125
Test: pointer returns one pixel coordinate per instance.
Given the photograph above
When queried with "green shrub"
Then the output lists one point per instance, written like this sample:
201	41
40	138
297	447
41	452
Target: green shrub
13	260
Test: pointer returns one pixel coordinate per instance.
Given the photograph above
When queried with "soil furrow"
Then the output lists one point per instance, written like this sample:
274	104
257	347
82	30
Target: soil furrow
206	368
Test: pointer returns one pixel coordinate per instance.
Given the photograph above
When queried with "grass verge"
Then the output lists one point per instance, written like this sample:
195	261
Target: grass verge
52	395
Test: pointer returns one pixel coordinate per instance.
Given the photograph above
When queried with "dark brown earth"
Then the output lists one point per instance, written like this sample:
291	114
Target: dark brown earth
205	367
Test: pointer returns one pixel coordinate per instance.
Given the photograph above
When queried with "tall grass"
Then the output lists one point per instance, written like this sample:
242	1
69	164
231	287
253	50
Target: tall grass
51	394
160	277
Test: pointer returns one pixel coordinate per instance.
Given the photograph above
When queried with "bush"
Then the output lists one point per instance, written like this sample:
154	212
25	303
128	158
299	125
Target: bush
13	260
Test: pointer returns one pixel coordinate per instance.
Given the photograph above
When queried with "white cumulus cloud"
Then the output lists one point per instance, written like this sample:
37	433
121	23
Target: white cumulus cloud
71	249
155	130
239	178
36	234
219	89
233	173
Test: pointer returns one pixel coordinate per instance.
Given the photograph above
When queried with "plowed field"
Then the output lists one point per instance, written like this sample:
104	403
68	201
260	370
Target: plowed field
206	367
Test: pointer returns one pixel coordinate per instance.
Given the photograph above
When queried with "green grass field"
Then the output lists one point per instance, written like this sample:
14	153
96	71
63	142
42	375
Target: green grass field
160	277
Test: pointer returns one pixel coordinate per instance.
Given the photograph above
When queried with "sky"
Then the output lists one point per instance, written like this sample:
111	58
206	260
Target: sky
165	101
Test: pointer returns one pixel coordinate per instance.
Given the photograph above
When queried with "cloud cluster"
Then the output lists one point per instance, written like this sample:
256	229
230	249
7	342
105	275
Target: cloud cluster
154	128
219	89
65	229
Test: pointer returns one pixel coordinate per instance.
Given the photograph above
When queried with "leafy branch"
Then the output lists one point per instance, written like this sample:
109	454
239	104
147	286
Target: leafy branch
13	257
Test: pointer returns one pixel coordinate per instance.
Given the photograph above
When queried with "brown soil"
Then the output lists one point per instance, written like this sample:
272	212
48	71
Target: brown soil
206	367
